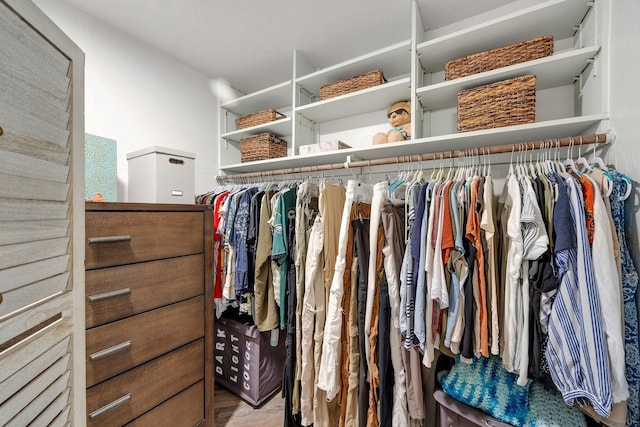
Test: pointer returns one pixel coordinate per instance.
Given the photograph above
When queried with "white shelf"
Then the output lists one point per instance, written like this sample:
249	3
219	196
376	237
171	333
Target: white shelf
557	18
364	101
277	96
573	126
551	71
337	156
279	128
394	60
552	17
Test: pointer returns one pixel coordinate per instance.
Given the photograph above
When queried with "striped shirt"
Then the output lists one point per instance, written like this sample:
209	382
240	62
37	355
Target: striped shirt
407	294
576	350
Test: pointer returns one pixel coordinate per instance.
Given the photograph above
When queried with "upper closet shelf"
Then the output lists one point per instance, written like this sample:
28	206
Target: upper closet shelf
551	71
394	60
361	102
573	126
279	128
277	96
552	17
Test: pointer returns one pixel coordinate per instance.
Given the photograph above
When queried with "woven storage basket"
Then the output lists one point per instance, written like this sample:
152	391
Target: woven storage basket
527	50
262	147
505	103
352	84
264	116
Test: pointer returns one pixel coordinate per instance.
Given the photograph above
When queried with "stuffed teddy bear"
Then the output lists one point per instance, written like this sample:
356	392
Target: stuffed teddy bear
399	115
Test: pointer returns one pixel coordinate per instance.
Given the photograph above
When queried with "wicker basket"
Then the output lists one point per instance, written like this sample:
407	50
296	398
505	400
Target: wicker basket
352	84
504	103
262	147
527	50
264	116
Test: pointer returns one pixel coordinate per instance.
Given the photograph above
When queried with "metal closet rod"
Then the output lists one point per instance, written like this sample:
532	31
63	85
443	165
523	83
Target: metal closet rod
494	149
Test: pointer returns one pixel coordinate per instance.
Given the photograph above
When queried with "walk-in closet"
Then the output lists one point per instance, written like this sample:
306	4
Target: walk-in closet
411	213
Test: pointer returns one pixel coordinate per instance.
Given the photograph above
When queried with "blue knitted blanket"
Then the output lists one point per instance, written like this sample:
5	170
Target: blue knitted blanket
486	385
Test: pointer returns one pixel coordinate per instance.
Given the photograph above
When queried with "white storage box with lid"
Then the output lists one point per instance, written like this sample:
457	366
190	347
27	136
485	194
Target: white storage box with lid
161	175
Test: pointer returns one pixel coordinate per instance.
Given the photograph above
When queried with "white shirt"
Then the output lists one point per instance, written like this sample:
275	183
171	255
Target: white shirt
513	268
608	284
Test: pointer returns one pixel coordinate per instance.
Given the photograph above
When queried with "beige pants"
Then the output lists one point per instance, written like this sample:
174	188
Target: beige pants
351	401
314	279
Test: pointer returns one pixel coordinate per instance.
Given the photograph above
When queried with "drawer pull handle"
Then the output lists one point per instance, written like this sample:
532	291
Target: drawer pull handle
111	294
109	239
110	406
109	351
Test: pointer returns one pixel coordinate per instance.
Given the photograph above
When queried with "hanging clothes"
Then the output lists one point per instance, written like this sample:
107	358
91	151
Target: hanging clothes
372	287
266	311
629	279
306	211
582	371
330	369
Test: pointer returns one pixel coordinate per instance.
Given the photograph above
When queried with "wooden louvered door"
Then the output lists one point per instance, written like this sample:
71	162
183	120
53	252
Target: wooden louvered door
41	221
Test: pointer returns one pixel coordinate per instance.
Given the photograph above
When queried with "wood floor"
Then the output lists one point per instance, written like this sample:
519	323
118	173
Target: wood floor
231	411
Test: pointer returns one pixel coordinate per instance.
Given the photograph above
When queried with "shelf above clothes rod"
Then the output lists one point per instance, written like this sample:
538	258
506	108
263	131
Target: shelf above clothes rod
576	141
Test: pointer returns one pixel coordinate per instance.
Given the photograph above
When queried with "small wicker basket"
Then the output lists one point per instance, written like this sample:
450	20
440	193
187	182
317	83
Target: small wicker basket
516	53
352	84
505	103
261	117
262	147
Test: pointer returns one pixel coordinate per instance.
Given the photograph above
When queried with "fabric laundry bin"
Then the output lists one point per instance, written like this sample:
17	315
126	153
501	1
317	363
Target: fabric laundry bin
161	175
245	362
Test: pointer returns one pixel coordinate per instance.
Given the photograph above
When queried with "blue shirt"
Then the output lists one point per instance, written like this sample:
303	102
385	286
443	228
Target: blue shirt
241	224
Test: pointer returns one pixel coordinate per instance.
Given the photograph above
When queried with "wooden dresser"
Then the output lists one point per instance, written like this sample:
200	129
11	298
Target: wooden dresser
149	314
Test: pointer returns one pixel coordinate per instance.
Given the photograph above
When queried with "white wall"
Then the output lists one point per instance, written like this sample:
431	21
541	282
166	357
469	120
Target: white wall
139	96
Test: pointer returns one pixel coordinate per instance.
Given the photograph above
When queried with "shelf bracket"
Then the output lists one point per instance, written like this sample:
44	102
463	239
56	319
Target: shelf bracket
304	91
592	61
347	161
578	79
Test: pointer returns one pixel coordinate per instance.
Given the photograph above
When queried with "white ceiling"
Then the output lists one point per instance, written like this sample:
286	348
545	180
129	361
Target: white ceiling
250	43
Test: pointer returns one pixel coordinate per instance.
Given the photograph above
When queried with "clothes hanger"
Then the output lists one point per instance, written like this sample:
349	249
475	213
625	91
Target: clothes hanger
553	157
475	170
519	168
581	163
417	176
627	193
539	160
451	172
399	187
597	161
550	167
460	172
569	163
511	171
532	169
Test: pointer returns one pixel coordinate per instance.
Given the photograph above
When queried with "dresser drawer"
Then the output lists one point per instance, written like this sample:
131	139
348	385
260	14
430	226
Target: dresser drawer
115	238
117	292
184	410
121	345
129	395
